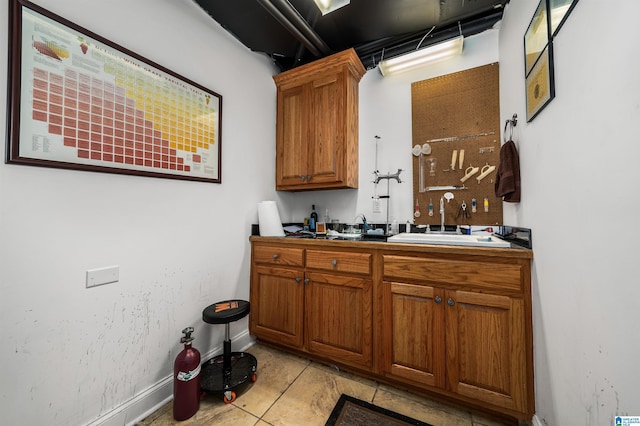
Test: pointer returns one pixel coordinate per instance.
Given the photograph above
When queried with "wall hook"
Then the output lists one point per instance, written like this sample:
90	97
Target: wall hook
509	125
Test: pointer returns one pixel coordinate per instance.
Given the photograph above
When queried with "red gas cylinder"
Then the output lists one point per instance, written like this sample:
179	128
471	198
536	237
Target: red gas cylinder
186	379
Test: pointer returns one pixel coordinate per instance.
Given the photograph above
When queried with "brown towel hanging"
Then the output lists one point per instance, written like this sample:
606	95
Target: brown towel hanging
508	176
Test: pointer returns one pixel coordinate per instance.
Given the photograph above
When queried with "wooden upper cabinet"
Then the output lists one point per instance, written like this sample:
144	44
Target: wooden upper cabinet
317	124
290	131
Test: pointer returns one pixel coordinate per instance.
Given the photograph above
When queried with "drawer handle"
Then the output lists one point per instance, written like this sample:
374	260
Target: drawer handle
451	302
275	256
306	280
334	262
438	299
298	279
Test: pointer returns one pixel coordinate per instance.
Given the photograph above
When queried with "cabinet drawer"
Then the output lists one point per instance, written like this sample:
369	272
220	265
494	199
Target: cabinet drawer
478	274
274	255
337	261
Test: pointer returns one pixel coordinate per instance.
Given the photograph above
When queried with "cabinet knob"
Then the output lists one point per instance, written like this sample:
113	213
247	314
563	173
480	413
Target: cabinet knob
438	299
306	280
334	262
302	177
308	177
275	256
298	279
451	302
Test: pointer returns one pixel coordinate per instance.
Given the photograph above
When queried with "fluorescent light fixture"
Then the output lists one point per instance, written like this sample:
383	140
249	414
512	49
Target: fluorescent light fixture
327	6
445	50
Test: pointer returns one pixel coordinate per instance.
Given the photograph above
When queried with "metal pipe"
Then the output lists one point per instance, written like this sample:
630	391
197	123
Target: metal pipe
269	7
301	24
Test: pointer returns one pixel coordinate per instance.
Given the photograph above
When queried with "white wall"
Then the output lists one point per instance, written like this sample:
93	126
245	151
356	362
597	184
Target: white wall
70	354
579	177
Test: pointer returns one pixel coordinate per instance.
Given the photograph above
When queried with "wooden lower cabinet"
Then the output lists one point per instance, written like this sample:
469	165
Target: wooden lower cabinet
413	330
485	348
325	314
339	318
460	326
451	323
468	343
277	302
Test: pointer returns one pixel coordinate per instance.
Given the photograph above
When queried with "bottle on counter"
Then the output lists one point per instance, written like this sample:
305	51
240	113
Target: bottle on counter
326	218
313	218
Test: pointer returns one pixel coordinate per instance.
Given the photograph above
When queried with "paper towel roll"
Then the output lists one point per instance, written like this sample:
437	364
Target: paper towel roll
269	219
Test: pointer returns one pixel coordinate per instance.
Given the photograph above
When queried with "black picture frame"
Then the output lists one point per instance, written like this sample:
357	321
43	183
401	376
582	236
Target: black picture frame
540	83
79	101
537	36
559	11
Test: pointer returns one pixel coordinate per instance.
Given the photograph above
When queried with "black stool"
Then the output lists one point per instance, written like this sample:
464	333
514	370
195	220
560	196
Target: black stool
231	369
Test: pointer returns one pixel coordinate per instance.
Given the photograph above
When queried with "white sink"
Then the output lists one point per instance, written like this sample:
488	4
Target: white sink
476	240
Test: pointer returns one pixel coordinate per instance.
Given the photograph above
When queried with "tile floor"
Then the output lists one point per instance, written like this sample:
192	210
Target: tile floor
291	390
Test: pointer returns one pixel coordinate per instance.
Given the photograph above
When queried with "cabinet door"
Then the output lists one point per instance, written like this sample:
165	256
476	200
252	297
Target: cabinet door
292	137
328	137
486	348
339	318
413	333
277	302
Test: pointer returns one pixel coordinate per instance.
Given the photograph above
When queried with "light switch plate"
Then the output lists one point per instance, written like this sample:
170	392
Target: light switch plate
100	276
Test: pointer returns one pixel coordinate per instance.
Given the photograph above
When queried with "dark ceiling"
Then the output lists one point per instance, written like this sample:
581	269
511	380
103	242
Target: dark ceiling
294	32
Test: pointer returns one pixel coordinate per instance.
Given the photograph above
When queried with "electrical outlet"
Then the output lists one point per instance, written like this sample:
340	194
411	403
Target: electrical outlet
100	276
376	204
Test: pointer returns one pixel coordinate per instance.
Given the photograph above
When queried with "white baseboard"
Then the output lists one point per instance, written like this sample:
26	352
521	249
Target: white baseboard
151	399
535	421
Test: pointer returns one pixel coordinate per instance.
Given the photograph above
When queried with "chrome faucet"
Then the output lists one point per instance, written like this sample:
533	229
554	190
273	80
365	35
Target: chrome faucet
380	177
364	221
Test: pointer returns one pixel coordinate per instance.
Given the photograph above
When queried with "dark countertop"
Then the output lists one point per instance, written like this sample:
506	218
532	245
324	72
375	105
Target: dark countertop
325	243
519	238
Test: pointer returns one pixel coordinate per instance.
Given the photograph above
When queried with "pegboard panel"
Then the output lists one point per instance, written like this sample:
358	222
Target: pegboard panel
458	112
